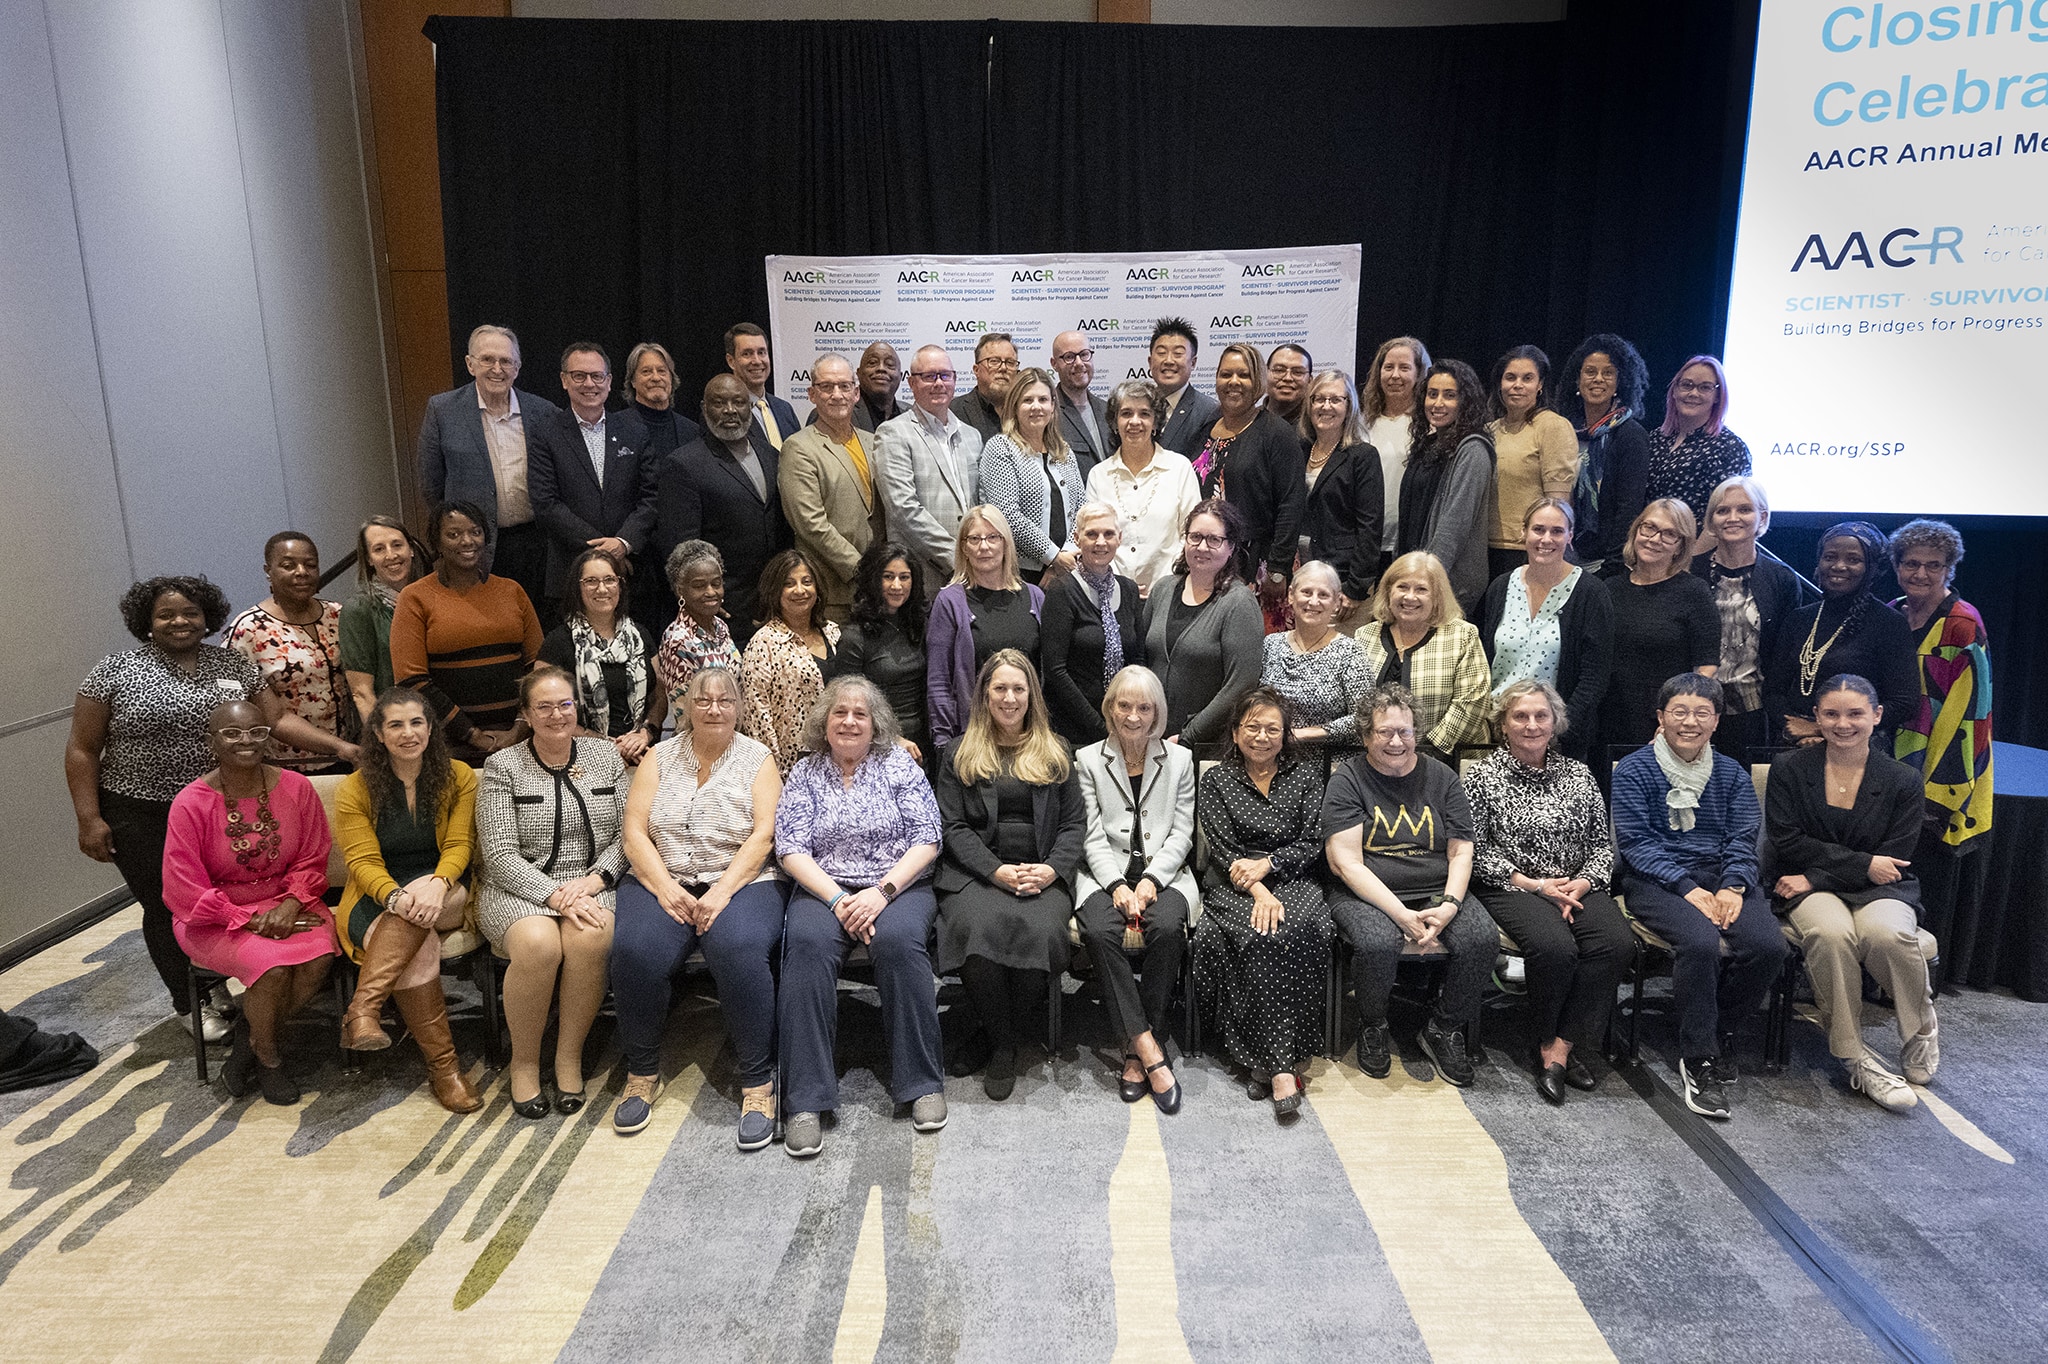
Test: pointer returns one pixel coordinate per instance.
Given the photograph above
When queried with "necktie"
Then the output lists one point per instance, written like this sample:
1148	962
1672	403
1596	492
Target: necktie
768	425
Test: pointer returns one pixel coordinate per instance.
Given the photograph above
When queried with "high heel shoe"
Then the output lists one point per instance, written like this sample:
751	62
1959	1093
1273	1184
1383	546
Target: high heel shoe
1168	1101
1130	1091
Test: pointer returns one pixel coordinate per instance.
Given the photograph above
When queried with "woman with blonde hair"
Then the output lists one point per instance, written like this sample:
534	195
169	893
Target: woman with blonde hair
1753	594
988	607
1419	638
1014	822
1665	622
1030	474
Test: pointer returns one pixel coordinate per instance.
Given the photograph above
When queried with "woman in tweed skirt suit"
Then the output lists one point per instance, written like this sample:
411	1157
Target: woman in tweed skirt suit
548	816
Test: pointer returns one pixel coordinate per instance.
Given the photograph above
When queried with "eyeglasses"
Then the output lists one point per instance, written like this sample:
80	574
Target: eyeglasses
1660	535
1252	731
610	580
1201	541
1923	565
586	376
984	540
713	703
1590	373
253	734
481	363
1392	734
1705	386
843	386
931	376
993	363
554	707
1065	356
1288	371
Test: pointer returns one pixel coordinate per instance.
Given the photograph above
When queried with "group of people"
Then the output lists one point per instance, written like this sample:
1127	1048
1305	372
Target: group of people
936	681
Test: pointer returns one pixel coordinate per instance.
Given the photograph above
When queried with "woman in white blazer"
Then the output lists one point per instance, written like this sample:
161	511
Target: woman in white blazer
1135	883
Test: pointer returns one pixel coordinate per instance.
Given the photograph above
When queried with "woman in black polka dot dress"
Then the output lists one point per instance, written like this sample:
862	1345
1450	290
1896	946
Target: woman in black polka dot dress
1263	949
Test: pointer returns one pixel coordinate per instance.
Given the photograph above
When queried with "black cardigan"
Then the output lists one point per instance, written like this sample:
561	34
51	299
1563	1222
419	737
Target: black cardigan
1882	649
1777	592
1624	457
1585	655
1070	651
1262	478
1805	836
1342	514
1058	814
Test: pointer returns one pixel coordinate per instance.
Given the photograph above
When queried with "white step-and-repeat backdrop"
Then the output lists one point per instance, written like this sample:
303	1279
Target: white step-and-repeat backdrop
840	305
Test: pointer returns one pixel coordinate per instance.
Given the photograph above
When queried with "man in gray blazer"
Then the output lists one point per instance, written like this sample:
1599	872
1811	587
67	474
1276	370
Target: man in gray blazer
1084	418
928	468
1189	411
472	448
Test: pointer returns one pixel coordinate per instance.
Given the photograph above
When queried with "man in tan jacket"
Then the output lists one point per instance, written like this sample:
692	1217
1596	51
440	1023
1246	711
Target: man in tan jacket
827	480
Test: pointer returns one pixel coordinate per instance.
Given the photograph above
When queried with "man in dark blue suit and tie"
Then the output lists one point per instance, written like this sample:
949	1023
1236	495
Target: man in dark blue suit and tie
590	489
473	448
746	355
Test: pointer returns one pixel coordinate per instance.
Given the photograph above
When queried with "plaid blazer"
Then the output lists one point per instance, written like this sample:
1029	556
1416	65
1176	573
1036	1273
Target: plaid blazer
1449	676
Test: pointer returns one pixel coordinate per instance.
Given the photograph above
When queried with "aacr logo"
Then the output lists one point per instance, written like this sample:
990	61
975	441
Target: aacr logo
1240	320
800	377
803	276
838	326
1147	272
917	277
1269	269
1029	276
967	326
1099	324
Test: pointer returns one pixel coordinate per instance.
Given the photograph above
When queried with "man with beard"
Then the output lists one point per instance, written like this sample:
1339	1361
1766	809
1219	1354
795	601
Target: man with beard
828	485
723	487
995	369
1084	418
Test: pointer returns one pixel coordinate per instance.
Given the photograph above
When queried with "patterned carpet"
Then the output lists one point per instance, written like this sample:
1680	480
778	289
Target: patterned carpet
1398	1220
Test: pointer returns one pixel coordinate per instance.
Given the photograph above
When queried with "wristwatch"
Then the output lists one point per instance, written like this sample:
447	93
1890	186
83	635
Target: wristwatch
888	889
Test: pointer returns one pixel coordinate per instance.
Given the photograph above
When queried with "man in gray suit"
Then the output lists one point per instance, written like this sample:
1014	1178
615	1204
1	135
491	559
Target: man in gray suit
472	448
1189	411
1084	418
928	468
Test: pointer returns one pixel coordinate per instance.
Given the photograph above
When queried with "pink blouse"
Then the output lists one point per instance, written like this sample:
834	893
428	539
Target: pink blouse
212	897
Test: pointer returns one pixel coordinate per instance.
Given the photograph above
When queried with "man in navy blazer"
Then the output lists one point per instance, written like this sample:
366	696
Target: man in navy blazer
474	447
722	488
590	489
1189	411
746	355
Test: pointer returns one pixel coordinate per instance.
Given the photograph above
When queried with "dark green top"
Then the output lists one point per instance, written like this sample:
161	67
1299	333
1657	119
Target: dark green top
408	843
366	639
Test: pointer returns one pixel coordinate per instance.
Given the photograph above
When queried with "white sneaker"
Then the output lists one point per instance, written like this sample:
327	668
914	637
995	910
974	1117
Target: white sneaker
214	1025
1883	1088
1921	1056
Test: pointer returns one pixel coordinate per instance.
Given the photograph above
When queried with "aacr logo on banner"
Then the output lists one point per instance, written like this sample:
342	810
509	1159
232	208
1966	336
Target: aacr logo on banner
843	304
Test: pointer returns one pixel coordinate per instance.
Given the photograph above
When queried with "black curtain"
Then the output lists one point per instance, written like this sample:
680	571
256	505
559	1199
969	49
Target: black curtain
622	180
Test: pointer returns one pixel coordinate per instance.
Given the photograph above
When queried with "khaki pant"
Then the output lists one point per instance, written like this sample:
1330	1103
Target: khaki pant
1840	943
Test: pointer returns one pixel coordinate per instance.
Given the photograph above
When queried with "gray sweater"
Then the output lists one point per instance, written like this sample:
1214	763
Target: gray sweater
1216	660
1461	519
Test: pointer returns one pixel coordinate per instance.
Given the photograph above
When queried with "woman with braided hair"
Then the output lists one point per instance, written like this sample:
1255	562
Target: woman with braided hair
1847	631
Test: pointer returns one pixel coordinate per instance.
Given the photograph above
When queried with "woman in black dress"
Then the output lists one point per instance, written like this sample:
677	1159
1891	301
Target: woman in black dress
1094	627
619	694
1664	624
883	640
1753	593
1014	823
1262	953
1847	631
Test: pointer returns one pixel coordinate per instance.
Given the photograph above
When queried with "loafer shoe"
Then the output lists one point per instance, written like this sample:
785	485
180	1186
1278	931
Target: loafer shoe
757	1121
1579	1075
1550	1084
635	1108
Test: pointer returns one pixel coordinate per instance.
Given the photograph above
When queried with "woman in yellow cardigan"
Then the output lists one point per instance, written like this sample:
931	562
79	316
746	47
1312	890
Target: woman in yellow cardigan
405	882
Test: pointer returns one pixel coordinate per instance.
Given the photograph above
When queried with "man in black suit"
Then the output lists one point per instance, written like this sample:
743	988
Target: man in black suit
649	422
721	488
995	369
590	489
1189	411
473	448
880	376
1084	418
746	355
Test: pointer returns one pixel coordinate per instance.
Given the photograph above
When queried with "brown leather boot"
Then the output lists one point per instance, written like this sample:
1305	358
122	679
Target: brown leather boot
391	949
425	1010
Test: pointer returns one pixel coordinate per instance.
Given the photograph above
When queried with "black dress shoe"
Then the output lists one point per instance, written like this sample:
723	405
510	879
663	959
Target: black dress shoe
1550	1083
241	1063
1578	1074
1257	1090
567	1103
1130	1091
999	1081
1169	1099
536	1107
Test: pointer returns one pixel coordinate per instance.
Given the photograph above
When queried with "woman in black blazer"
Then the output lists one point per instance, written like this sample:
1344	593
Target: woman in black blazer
1754	593
1585	622
1015	822
1253	460
1344	493
1073	643
1840	826
1847	631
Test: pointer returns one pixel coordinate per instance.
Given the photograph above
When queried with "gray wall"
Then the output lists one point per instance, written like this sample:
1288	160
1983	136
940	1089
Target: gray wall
191	352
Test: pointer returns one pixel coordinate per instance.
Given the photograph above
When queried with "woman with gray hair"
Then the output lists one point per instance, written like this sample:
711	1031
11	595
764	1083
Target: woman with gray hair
1753	592
857	829
1543	865
1153	489
1136	884
1344	495
1093	627
699	828
699	636
1317	667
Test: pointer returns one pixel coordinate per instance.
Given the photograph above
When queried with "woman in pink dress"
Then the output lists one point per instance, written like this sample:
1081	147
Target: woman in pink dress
245	865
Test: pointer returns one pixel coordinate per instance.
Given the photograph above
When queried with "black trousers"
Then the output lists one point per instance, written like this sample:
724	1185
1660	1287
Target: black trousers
521	554
1574	967
140	827
1136	1003
1010	1001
